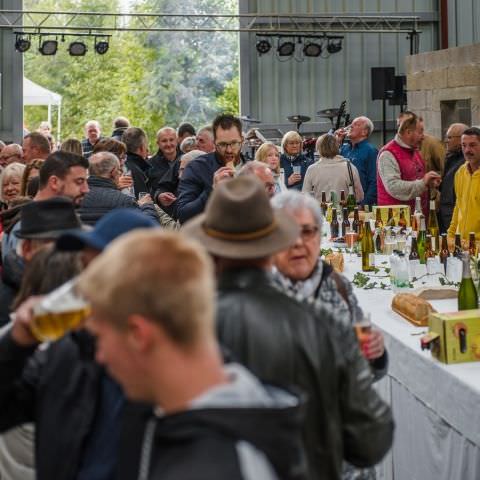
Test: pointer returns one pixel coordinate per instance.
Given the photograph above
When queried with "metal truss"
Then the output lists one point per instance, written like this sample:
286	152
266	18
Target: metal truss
95	22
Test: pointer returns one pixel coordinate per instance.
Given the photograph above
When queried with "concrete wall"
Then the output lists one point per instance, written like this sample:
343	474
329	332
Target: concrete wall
451	74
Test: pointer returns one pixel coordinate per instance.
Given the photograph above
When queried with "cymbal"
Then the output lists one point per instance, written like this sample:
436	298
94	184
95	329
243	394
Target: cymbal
328	113
249	119
298	118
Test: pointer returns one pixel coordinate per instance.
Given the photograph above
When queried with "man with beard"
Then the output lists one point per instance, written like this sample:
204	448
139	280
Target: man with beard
63	174
196	183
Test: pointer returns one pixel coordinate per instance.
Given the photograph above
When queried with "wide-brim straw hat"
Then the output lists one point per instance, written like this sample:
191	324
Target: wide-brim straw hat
239	222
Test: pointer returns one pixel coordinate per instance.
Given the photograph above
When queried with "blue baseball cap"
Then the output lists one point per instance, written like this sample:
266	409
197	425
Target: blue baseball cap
108	228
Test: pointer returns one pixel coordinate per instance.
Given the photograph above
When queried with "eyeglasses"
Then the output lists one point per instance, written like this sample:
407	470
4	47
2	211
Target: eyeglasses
308	232
235	145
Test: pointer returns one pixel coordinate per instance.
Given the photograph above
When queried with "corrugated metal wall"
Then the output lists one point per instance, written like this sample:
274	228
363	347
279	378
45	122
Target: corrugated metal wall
271	90
463	22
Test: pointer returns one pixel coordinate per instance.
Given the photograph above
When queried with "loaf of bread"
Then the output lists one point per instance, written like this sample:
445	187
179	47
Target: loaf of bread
414	309
336	261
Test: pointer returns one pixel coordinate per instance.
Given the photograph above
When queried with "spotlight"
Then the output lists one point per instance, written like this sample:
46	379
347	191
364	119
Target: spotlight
77	49
312	49
334	46
286	49
101	46
48	47
22	44
263	46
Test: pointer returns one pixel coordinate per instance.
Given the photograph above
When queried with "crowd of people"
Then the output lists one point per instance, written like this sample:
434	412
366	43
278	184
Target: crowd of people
219	343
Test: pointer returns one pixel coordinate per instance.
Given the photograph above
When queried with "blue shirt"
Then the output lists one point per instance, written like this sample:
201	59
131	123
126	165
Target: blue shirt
364	156
287	164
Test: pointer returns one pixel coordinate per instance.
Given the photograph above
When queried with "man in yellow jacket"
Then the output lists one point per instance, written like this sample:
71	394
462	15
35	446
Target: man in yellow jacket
466	215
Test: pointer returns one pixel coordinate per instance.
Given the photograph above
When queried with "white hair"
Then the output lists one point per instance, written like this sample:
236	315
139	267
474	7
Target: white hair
293	201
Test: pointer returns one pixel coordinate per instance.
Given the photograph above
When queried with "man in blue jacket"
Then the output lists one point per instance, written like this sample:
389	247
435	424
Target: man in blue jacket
202	173
362	154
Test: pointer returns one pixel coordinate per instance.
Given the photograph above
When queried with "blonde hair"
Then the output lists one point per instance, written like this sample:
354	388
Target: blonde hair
161	276
327	146
262	152
289	136
14	169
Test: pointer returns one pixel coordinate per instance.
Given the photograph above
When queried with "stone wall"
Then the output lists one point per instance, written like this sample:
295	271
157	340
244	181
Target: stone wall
450	74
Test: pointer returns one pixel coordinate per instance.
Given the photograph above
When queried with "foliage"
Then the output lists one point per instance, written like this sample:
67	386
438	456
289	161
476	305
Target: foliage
152	78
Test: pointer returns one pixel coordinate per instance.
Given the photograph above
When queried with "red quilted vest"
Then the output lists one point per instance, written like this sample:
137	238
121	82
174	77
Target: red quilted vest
412	167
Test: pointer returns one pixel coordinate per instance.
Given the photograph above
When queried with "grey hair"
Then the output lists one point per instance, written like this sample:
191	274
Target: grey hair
253	166
188	142
368	124
293	201
102	163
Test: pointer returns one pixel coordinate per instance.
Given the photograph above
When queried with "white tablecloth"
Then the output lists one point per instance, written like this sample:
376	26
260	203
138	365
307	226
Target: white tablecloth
436	406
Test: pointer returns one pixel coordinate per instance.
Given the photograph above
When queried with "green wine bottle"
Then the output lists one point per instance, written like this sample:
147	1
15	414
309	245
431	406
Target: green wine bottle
467	294
368	249
433	228
351	201
422	240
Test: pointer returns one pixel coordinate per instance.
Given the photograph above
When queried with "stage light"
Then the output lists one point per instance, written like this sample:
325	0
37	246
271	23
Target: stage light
263	46
101	46
286	49
312	49
48	47
77	49
22	44
334	45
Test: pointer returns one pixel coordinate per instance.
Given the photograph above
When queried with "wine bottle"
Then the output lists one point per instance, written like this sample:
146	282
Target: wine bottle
390	220
414	249
351	201
458	250
433	226
323	204
422	240
333	199
356	221
378	219
402	222
444	252
345	222
343	200
472	244
368	250
416	214
429	253
467	294
334	227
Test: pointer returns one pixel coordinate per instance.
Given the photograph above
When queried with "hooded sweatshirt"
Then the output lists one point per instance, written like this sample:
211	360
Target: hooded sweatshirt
242	430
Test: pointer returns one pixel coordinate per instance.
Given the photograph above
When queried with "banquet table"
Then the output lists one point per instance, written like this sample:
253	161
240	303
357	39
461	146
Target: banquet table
436	407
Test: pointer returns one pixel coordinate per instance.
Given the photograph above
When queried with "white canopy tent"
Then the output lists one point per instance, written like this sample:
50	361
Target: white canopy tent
34	94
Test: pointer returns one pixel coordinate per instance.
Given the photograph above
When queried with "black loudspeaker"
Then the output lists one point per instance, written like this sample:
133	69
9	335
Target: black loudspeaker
383	82
400	91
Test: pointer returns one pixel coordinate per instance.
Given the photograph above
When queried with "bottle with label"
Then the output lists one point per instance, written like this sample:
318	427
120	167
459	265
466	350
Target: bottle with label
467	294
414	258
334	226
416	214
368	250
323	204
345	222
343	200
433	228
472	244
390	220
422	240
378	219
402	222
429	253
333	199
356	221
351	201
444	252
458	250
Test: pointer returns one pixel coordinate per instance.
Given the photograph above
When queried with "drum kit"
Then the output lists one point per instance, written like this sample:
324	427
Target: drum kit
337	116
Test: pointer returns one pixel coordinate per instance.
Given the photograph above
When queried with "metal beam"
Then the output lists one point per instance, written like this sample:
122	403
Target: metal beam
43	21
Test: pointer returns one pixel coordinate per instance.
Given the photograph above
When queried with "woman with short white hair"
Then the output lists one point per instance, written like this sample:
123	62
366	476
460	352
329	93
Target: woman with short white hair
293	161
11	183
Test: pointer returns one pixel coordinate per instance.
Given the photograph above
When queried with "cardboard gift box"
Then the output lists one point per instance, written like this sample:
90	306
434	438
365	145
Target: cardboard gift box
456	336
396	213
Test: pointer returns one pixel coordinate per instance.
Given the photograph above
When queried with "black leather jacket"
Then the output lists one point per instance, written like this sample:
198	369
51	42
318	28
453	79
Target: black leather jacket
287	342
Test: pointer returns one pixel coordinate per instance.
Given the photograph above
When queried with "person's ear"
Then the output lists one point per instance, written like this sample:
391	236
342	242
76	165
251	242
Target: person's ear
143	334
55	183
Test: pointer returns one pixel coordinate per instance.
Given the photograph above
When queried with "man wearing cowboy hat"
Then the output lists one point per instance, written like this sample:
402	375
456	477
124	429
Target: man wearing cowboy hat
282	340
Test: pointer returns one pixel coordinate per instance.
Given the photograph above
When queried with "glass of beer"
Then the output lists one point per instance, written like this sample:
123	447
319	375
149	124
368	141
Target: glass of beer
351	238
59	312
363	330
